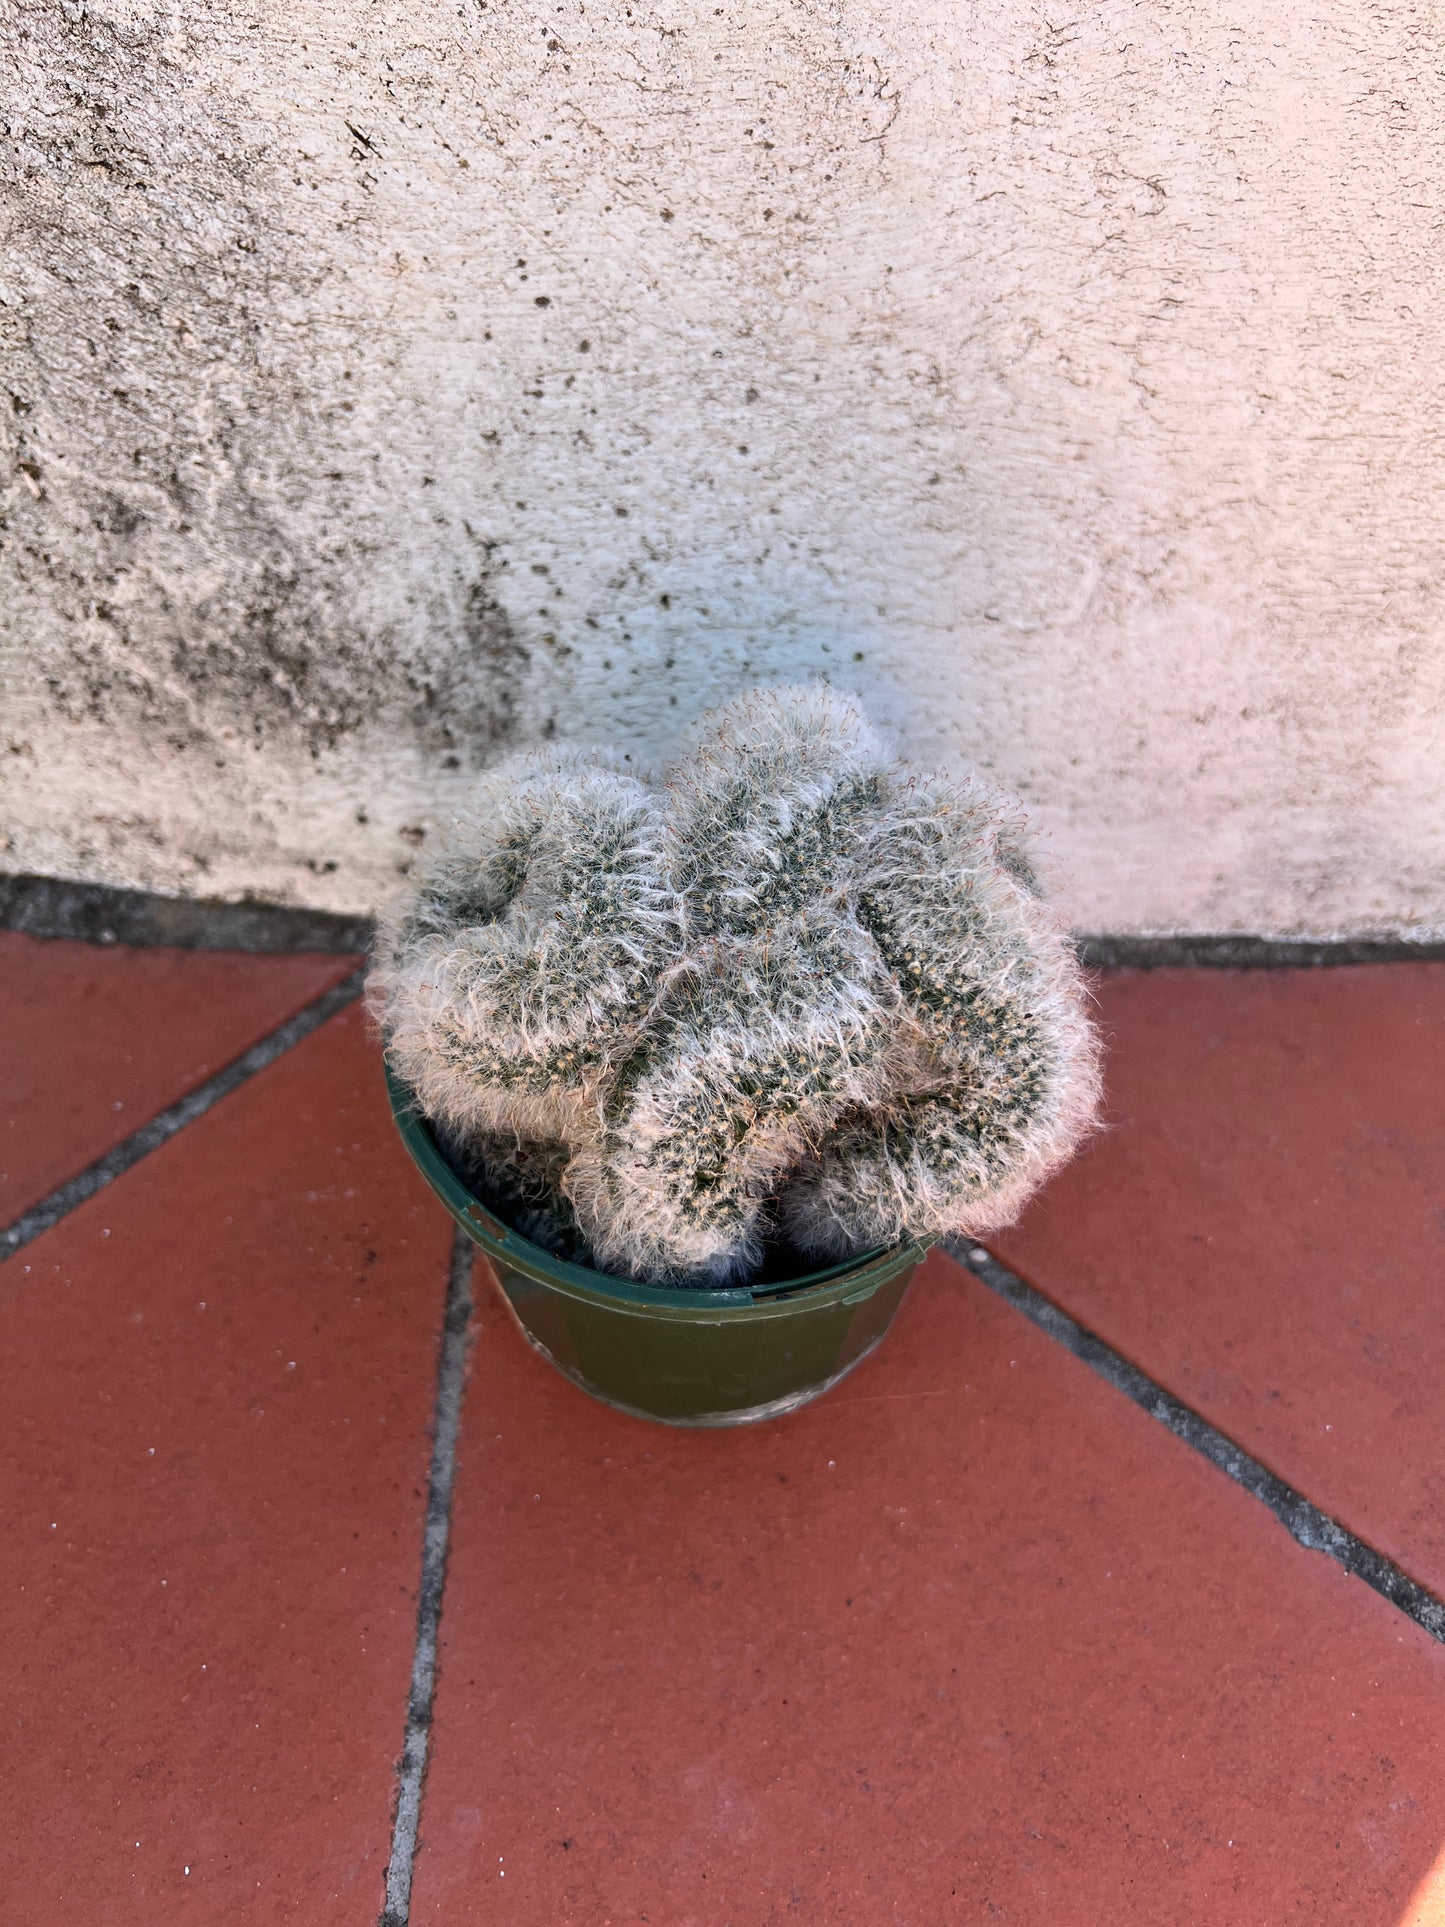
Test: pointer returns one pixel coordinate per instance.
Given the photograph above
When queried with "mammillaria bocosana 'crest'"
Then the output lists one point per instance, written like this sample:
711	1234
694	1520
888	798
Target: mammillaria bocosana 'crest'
795	986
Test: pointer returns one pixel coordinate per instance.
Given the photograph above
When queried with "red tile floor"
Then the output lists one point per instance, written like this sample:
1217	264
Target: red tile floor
974	1638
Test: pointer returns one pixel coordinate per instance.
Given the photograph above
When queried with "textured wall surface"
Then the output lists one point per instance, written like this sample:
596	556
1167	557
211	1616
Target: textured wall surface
387	384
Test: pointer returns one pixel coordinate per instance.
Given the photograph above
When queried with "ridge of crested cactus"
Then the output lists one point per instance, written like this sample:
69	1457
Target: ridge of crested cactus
756	1047
502	1005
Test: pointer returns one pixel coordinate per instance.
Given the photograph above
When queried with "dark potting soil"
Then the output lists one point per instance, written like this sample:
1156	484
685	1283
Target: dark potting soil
518	1184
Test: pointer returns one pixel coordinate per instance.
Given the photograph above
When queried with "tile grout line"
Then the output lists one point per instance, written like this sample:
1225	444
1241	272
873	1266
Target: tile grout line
1315	1530
75	1191
411	1771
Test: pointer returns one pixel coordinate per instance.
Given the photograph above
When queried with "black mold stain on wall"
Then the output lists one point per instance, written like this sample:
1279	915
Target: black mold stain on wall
206	532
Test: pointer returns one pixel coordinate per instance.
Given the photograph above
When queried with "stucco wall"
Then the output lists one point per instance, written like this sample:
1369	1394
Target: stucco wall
394	380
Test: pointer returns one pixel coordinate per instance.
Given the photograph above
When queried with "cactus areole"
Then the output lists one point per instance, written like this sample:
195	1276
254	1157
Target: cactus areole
790	997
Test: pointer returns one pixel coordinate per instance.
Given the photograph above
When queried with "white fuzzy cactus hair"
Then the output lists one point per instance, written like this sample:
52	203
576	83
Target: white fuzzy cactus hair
793	991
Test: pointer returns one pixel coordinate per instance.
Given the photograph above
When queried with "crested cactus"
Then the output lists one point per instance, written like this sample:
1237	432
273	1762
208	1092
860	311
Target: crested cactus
792	989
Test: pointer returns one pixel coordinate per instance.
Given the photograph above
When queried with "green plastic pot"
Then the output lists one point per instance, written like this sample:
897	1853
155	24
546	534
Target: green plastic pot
682	1357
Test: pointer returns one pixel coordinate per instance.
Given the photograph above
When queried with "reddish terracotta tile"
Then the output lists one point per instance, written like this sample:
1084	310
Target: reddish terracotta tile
216	1383
1263	1225
972	1639
96	1041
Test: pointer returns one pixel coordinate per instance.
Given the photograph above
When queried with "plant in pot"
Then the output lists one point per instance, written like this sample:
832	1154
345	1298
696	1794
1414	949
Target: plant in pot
704	1063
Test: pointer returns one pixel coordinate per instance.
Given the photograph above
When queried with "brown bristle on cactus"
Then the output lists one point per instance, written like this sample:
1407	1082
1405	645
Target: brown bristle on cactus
792	989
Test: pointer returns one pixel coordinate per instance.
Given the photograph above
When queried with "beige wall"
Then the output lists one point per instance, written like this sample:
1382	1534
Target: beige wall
1067	380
